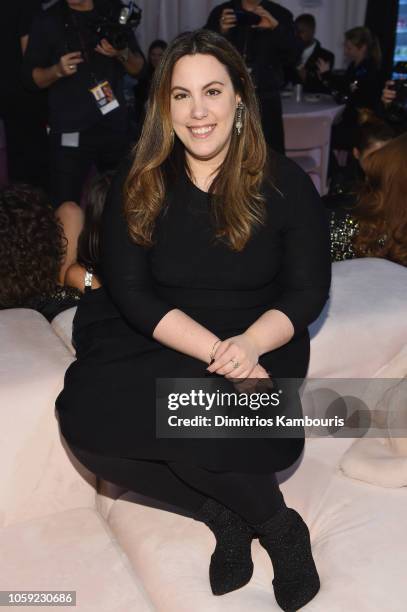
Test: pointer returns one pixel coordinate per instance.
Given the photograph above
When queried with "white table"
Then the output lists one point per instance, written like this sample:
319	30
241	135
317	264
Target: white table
321	105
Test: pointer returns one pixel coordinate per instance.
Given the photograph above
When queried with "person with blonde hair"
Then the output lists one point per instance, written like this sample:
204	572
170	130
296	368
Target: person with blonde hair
214	261
359	87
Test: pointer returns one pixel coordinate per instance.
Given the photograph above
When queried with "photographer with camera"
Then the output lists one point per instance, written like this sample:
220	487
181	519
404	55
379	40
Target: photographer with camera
263	32
80	50
394	103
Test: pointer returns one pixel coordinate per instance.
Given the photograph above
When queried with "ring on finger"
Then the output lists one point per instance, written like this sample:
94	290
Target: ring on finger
71	67
236	364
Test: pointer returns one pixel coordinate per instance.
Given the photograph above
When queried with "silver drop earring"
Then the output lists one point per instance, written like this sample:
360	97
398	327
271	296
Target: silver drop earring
239	118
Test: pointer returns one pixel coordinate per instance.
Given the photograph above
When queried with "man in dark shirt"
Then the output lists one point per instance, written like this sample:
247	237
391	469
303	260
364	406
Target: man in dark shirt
311	51
87	114
266	48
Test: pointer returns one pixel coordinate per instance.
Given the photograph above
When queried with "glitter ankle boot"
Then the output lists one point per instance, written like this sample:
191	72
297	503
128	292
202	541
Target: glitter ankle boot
286	538
231	565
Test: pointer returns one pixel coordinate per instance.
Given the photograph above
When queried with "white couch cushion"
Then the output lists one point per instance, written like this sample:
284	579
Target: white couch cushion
364	324
171	554
357	533
62	326
71	550
37	477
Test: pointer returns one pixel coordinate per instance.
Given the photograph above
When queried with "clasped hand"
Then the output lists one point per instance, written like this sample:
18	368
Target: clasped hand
237	357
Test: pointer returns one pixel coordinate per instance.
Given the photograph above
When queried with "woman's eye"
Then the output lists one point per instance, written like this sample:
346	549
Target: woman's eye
213	92
179	96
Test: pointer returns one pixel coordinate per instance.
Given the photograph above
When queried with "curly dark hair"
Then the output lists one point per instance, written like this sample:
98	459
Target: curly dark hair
32	246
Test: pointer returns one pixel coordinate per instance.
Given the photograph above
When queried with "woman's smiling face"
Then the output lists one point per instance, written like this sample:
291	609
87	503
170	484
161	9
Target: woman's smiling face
203	106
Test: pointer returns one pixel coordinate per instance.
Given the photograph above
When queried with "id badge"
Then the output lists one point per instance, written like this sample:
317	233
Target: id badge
70	139
104	97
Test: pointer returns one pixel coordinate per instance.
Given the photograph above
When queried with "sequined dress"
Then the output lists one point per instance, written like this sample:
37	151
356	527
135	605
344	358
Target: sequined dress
52	304
343	228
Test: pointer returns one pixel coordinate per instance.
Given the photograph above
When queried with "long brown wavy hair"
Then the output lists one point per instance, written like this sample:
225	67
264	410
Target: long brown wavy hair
32	246
381	208
237	204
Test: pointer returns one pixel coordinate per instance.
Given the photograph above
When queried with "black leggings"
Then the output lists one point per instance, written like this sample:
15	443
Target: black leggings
255	497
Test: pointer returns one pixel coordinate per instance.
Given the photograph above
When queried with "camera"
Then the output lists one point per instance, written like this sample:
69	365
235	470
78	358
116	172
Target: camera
117	23
400	84
246	18
398	108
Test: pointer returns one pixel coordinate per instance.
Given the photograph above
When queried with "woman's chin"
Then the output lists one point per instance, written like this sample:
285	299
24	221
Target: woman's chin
205	152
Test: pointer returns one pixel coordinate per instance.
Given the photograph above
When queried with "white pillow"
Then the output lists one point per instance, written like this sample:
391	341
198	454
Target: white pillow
364	323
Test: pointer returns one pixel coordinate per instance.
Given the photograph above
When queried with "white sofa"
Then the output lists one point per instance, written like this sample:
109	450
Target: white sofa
63	529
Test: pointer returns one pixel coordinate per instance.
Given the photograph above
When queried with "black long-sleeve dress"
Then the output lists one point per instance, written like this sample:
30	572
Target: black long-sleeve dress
108	401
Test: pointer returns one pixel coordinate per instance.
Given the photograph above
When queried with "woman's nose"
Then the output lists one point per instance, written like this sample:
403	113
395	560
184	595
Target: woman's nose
198	110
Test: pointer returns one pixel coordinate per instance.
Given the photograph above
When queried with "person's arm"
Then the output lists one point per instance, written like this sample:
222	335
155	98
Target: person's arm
66	67
126	274
221	20
331	59
282	33
214	18
305	279
75	277
35	54
29	8
132	62
24	43
131	57
305	275
37	71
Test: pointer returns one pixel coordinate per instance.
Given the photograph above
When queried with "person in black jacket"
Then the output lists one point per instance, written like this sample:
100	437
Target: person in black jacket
359	87
266	46
311	52
83	74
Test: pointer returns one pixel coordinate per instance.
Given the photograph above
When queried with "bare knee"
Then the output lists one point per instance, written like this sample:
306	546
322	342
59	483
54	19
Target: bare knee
70	211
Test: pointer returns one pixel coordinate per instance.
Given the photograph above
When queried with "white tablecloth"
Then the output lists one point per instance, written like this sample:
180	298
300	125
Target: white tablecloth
320	105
